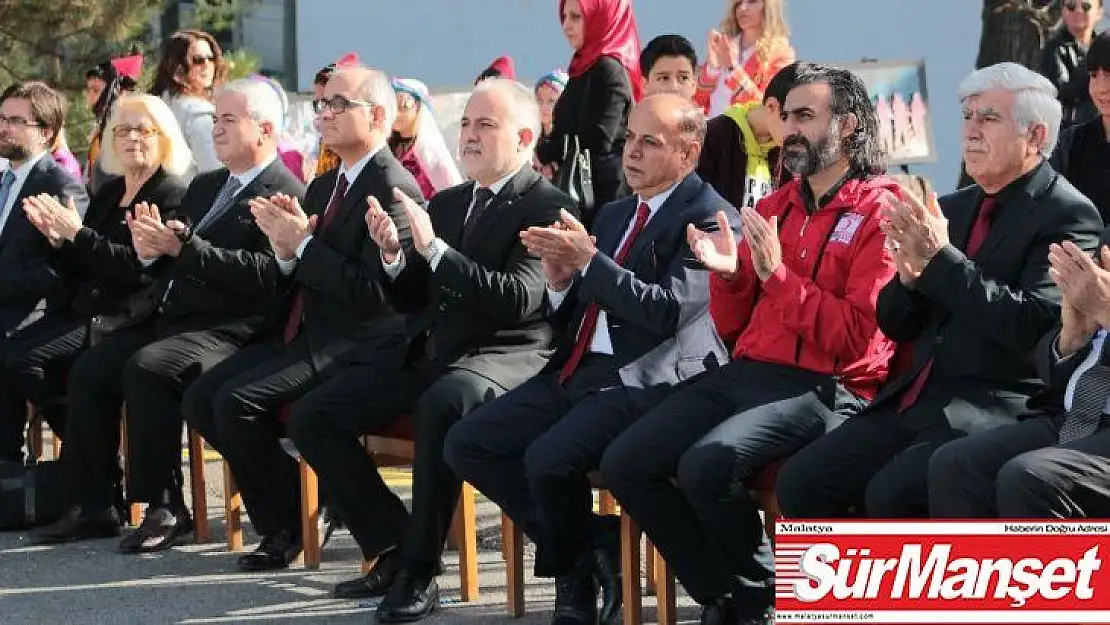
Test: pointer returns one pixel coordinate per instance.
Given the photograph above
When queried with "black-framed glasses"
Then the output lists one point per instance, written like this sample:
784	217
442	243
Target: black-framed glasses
144	132
337	104
1086	6
18	121
200	59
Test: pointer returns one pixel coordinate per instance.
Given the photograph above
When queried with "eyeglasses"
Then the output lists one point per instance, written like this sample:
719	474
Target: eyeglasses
1086	6
123	130
337	104
201	59
18	121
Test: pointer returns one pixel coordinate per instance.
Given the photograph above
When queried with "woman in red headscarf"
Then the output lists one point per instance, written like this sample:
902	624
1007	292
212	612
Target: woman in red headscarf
604	82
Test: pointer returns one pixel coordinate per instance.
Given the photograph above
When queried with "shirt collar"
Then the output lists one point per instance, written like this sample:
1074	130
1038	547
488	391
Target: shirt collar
497	186
248	176
655	203
352	172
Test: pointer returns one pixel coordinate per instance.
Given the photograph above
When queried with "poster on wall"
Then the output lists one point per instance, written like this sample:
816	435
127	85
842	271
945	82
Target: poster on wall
897	89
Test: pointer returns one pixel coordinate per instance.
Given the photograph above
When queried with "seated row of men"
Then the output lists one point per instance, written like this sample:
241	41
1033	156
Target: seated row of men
680	347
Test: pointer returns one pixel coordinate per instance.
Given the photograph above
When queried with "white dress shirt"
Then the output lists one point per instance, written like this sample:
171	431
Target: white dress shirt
395	268
1088	362
21	174
601	343
351	174
244	178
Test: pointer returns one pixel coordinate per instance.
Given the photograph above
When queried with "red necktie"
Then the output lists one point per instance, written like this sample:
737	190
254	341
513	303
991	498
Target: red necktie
293	324
979	231
589	320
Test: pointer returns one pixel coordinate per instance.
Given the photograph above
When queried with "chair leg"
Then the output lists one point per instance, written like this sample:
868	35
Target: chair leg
134	511
606	503
514	564
56	443
34	433
465	530
665	600
201	531
233	511
506	525
630	571
649	567
310	515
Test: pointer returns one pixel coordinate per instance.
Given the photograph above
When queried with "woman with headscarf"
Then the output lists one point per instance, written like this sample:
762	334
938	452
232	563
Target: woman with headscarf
751	46
548	89
417	142
604	82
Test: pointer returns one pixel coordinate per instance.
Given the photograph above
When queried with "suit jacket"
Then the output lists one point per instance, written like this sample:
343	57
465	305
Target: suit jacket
482	307
341	270
220	279
660	290
980	320
27	276
100	265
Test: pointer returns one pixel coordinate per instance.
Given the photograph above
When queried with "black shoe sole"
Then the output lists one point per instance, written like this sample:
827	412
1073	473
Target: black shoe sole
171	539
393	617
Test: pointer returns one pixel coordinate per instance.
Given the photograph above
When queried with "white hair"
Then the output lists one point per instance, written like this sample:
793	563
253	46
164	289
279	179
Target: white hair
376	88
525	111
263	102
1035	100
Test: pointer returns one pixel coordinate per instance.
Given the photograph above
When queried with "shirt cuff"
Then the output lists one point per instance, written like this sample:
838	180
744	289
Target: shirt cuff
394	268
441	247
556	298
286	267
146	262
300	248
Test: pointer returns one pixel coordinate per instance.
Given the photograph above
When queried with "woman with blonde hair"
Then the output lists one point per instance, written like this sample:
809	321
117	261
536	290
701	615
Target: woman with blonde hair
751	46
192	65
144	152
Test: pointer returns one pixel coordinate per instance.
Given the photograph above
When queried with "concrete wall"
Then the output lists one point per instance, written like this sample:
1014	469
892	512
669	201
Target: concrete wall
446	43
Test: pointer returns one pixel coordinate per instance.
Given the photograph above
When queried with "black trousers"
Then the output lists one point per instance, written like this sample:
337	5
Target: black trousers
1021	471
682	471
876	463
366	398
154	380
35	360
531	451
236	407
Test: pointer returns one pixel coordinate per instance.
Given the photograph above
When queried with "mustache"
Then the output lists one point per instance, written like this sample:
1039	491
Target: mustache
797	139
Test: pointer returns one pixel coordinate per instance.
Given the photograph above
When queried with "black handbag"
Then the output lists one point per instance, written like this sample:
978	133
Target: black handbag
31	495
575	175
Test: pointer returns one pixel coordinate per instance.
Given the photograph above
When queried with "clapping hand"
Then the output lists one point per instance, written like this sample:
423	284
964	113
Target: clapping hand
717	251
152	238
382	230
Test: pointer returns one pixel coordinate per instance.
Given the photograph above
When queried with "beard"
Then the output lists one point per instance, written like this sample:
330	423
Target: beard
13	151
811	158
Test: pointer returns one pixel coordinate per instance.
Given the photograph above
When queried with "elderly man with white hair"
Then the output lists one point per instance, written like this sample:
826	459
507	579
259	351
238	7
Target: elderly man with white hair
211	295
972	298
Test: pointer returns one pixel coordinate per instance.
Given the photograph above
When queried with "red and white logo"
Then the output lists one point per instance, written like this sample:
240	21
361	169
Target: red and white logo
942	572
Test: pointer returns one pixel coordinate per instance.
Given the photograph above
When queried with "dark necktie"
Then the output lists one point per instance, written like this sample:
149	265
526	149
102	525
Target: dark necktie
1088	402
589	319
482	199
224	200
979	231
335	206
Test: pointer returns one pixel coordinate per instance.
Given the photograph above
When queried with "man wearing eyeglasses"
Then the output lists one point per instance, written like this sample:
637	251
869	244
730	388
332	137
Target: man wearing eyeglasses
31	116
338	311
1064	59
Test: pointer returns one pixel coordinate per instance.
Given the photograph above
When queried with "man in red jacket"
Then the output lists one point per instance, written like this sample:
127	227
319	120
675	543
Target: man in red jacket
797	296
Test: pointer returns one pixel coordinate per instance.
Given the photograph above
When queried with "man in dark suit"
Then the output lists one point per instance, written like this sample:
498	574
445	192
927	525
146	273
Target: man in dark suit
31	116
622	300
212	298
973	294
476	295
1054	463
338	308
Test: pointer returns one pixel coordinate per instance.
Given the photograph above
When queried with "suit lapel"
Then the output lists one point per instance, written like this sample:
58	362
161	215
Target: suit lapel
960	220
517	186
664	218
30	187
451	215
607	242
1016	204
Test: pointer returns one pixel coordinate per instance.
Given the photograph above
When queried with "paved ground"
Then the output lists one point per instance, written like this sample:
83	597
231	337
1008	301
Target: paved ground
92	583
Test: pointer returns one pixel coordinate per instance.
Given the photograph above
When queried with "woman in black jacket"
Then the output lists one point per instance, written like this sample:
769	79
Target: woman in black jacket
1064	59
95	255
604	82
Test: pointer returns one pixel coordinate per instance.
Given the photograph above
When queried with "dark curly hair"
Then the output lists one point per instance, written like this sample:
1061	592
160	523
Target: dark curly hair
174	64
849	95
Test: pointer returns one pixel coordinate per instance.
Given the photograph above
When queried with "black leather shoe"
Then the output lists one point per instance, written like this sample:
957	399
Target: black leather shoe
720	612
273	553
159	530
576	595
75	525
607	574
411	598
376	583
